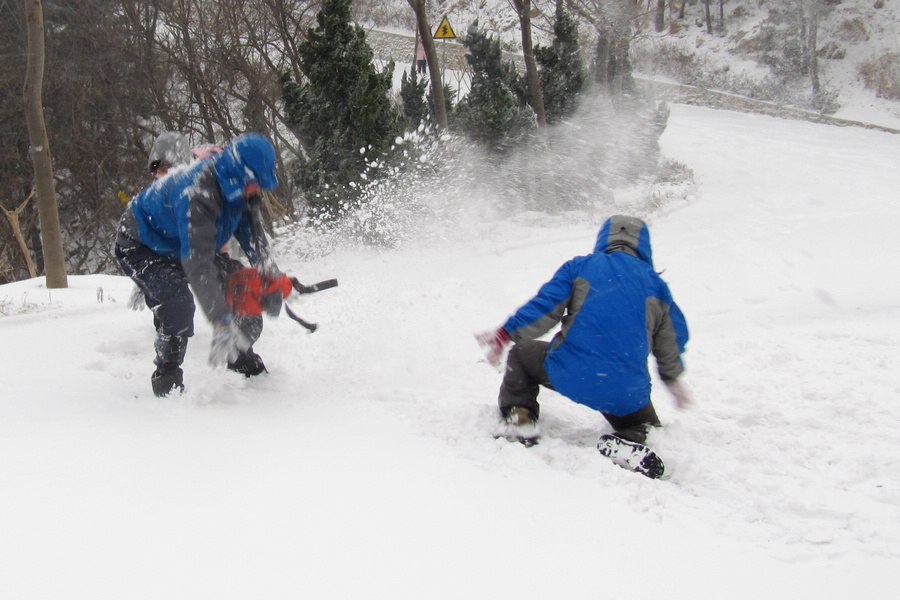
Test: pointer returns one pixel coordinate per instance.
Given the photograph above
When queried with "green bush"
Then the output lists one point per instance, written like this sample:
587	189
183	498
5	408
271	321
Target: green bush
340	109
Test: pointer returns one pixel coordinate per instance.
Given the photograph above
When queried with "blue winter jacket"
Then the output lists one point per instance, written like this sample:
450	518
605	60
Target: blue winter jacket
191	213
615	310
164	212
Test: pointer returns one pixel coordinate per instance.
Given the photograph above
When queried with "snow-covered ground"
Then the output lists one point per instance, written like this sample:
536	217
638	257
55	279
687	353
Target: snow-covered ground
361	466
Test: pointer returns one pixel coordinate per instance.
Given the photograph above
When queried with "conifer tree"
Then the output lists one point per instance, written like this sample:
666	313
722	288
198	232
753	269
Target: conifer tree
340	110
562	72
412	93
494	112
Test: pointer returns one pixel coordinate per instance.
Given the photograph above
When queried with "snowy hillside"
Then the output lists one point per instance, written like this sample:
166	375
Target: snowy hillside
851	34
361	466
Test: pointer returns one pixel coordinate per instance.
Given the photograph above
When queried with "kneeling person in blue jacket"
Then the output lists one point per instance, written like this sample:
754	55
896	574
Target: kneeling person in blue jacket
615	310
170	237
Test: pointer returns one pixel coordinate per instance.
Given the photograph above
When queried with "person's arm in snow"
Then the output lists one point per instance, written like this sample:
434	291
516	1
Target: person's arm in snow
228	341
199	247
532	320
669	336
543	312
493	343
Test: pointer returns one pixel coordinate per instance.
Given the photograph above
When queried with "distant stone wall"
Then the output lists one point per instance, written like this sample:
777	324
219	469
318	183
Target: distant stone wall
389	45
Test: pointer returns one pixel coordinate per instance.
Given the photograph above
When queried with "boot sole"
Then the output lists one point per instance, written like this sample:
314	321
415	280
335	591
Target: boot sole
631	456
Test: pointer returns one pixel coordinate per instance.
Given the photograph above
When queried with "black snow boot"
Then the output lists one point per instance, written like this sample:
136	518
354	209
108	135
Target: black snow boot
170	351
519	425
630	455
248	363
166	378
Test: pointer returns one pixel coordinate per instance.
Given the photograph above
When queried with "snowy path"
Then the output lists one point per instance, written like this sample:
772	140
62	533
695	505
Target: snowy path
362	465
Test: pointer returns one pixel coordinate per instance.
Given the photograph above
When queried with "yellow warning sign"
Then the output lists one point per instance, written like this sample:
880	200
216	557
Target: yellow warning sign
444	31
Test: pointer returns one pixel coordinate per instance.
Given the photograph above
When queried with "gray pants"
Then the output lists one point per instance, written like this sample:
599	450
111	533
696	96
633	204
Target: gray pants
525	374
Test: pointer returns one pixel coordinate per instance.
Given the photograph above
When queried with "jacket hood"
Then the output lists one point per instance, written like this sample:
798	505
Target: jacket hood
249	157
170	147
621	233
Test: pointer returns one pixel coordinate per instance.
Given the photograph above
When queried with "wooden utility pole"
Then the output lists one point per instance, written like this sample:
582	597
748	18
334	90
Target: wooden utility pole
48	211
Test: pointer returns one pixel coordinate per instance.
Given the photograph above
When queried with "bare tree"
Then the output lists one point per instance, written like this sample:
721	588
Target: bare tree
117	73
523	8
615	21
51	235
13	217
434	66
815	10
213	74
708	16
16	170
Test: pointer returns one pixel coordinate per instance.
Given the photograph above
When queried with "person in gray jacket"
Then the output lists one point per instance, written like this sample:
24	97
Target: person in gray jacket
169	241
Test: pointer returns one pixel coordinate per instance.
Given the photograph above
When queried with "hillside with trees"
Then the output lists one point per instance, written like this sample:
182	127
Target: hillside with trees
354	131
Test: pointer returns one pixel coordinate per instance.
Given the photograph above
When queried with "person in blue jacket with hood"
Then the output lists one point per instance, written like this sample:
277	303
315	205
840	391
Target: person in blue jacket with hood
169	242
615	310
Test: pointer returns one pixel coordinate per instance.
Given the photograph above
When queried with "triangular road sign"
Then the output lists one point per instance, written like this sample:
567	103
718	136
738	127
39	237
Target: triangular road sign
444	31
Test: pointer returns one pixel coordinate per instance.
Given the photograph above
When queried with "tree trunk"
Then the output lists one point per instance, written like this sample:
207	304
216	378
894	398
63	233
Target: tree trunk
434	66
51	236
709	25
601	71
531	71
660	15
621	76
813	59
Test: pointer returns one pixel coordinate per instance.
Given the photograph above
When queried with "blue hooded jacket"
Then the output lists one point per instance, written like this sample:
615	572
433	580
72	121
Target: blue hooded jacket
191	213
164	209
615	310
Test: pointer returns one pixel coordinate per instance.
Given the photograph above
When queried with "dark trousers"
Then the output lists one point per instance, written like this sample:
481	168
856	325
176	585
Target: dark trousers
165	287
525	374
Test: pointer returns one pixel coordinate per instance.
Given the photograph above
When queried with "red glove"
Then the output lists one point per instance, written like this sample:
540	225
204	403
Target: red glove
493	343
